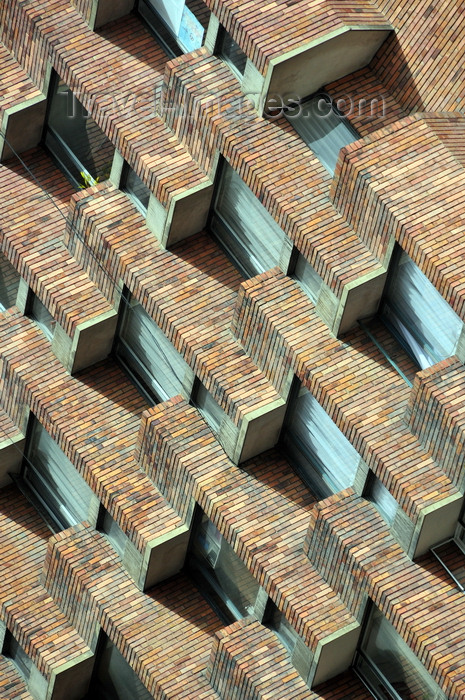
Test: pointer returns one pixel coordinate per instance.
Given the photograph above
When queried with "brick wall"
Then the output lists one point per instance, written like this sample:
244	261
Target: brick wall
436	414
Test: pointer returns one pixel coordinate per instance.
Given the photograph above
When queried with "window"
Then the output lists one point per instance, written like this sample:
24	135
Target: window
15	652
389	667
9	283
173	24
44	319
231	52
113	678
309	280
322	127
208	407
136	189
244	228
381	498
54	481
75	141
221	574
417	314
276	621
113	532
451	555
321	454
147	354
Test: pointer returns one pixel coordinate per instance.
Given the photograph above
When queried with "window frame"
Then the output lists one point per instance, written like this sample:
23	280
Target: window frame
49	134
215	215
162	33
152	394
55	521
301	103
201	574
304	466
223	36
432	352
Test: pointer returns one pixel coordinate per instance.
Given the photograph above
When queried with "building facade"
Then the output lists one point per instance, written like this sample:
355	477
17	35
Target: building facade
232	306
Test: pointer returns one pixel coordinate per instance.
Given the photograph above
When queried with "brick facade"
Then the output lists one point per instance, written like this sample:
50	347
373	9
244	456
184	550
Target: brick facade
138	573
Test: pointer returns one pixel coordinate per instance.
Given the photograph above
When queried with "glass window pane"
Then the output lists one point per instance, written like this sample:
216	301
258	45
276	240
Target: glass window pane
174	25
249	234
115	679
309	280
191	32
9	283
231	52
418	314
319	450
392	658
114	533
283	629
209	408
323	129
55	480
134	186
43	317
382	499
147	352
75	140
170	11
14	651
223	569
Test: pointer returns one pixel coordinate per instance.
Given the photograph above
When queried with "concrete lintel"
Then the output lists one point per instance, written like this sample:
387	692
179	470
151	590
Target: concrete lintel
164	556
436	523
161	558
334	654
308	67
92	341
259	430
70	681
23	125
185	215
360	298
212	33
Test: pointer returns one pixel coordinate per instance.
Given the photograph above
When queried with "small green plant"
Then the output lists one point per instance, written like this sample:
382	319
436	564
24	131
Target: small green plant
87	180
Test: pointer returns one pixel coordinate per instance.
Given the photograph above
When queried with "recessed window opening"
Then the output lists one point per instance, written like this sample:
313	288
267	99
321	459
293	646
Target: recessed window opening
14	651
306	276
417	315
173	24
210	409
113	678
317	449
9	283
222	576
231	53
42	316
53	480
78	145
382	499
323	128
276	621
147	355
388	666
243	227
136	189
